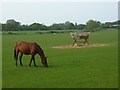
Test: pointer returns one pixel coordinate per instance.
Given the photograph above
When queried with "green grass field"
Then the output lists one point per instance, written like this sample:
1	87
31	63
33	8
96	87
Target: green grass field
94	67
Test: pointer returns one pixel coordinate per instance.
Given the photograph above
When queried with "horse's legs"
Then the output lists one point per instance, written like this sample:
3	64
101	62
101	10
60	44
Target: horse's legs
17	56
34	62
32	58
87	42
84	41
21	54
31	61
74	42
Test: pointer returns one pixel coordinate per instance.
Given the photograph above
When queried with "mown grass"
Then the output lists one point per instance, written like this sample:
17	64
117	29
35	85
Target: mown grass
95	67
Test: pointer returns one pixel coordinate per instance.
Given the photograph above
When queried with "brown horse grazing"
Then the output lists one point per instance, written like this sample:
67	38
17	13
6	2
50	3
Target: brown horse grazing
29	48
84	36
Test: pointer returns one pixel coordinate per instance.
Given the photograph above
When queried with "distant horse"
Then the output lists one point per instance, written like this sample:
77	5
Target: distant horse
29	48
84	36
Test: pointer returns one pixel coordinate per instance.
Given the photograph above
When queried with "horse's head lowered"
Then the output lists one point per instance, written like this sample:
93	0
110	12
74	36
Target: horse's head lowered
44	62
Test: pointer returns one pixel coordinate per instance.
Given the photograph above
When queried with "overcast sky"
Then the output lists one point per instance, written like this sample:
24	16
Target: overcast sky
28	12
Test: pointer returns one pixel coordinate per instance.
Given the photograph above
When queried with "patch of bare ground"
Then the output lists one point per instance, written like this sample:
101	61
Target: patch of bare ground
80	46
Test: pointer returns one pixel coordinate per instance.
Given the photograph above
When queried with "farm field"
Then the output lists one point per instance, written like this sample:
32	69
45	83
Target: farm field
92	67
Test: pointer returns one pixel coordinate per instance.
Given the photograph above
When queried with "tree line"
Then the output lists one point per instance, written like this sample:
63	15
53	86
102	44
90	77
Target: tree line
91	25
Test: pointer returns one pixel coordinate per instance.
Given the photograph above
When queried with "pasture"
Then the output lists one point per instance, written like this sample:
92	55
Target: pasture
93	67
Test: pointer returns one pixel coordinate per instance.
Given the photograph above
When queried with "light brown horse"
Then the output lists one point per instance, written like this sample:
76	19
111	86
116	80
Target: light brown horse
29	48
84	36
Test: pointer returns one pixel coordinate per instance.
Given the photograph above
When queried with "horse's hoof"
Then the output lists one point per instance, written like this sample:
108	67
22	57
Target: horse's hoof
35	65
29	65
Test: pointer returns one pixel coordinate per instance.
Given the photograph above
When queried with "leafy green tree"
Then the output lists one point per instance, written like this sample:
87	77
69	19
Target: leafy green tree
24	27
111	24
107	25
69	25
55	26
4	27
0	26
92	25
12	25
37	26
62	26
81	26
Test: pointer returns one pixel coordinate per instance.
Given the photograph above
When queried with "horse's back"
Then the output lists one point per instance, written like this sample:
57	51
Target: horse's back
26	47
84	35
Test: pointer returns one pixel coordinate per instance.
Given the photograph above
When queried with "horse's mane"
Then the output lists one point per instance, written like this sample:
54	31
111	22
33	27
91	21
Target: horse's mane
40	51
